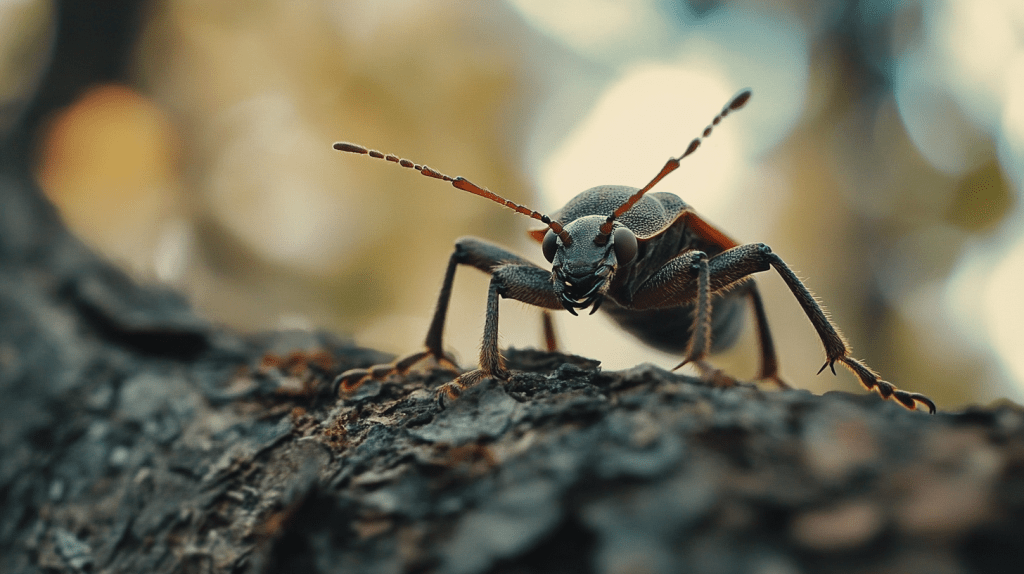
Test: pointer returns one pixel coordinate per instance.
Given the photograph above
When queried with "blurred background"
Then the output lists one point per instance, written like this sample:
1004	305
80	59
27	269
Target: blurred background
882	156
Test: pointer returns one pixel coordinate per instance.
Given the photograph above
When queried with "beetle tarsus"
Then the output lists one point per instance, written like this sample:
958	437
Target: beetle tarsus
885	389
447	393
713	376
350	381
451	391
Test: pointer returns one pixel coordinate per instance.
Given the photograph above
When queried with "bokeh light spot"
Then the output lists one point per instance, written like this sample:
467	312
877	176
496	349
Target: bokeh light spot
1004	313
108	161
652	113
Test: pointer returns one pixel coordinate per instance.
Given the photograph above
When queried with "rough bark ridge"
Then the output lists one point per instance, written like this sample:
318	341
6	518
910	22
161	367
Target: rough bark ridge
136	437
211	453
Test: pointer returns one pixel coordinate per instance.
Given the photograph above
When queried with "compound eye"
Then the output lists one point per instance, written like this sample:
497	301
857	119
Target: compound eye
624	243
550	245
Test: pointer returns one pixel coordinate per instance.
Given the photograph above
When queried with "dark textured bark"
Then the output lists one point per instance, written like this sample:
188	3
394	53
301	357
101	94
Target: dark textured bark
136	437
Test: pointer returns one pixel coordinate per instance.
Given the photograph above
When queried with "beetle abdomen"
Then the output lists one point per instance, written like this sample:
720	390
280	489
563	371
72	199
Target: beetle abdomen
668	330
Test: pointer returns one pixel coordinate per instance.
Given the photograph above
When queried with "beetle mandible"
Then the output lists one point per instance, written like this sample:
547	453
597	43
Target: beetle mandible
649	258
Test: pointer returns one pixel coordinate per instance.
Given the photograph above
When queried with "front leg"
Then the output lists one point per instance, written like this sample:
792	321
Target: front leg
680	281
471	251
527	283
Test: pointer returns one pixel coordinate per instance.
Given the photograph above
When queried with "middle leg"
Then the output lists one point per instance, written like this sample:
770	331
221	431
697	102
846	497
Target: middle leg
769	369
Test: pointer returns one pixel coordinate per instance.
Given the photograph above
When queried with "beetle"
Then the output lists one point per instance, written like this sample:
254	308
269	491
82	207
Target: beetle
649	260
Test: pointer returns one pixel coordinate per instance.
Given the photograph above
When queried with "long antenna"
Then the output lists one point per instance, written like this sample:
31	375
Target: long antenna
737	102
459	183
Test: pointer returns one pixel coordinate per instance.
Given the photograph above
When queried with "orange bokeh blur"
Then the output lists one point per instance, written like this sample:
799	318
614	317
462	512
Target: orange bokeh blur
108	163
